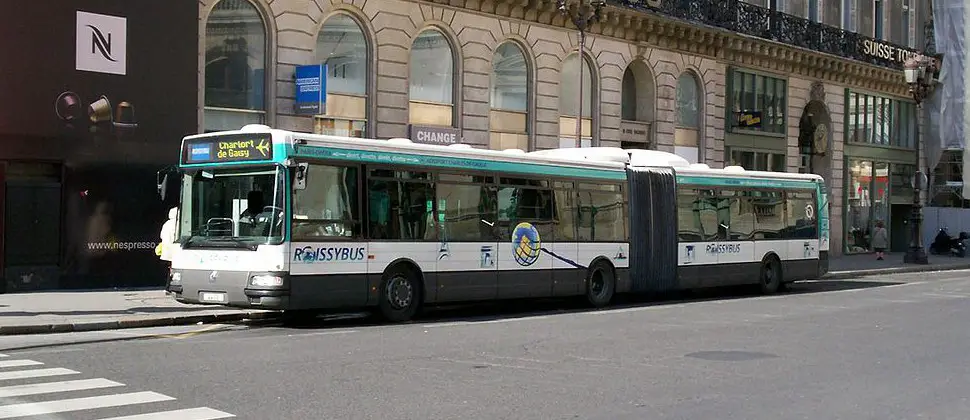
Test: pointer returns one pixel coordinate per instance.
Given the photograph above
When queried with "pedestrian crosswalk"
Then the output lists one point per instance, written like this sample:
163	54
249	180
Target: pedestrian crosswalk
51	395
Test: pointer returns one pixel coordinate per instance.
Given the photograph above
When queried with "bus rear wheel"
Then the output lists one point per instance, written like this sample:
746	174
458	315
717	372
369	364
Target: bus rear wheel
770	278
600	284
400	294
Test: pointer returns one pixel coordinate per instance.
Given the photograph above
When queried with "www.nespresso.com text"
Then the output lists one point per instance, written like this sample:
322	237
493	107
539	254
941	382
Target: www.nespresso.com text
121	246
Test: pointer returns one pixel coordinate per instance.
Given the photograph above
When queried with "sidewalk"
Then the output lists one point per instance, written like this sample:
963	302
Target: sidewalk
852	266
82	310
67	311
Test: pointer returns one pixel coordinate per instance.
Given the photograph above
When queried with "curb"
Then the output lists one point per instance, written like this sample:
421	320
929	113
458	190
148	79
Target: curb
842	275
163	321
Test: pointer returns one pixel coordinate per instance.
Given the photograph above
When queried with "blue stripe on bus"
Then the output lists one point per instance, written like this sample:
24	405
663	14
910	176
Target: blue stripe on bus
454	162
719	181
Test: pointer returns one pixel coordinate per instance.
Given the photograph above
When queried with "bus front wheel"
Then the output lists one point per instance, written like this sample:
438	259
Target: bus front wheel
400	294
600	284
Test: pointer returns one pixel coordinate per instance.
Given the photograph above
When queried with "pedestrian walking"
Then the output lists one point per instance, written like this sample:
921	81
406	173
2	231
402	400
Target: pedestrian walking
167	238
880	239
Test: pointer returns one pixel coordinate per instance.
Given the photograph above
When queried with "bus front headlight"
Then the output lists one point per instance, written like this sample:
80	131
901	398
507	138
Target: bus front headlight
176	277
266	280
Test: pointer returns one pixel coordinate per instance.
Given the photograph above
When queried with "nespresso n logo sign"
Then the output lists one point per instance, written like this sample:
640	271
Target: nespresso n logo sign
101	43
886	51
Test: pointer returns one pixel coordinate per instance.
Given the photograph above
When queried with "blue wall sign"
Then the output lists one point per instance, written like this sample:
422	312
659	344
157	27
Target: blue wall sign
311	89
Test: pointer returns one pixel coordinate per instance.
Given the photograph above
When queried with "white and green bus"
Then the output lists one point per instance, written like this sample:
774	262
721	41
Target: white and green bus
305	223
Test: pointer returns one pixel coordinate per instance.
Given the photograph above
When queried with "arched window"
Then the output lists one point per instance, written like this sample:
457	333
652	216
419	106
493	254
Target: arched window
235	66
687	132
342	47
569	100
432	75
636	106
508	120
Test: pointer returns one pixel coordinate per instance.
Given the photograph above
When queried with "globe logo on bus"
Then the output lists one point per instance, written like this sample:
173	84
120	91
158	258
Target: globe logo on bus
525	244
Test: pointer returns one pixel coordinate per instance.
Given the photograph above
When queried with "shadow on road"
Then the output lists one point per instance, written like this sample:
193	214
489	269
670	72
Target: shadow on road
512	309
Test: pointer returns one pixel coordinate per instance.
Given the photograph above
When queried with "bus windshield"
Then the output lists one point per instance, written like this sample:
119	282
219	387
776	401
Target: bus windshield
232	208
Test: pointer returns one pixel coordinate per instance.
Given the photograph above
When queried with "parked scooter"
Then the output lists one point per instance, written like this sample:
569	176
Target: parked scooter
944	244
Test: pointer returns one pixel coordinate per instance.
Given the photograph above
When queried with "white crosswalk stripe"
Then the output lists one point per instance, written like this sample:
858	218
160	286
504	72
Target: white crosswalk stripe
43	391
77	404
52	387
35	373
18	363
187	414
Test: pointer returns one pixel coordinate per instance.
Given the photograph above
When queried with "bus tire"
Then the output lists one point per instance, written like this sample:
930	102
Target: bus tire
400	294
770	276
600	284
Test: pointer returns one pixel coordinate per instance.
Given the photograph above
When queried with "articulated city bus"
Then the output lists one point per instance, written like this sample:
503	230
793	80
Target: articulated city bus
303	223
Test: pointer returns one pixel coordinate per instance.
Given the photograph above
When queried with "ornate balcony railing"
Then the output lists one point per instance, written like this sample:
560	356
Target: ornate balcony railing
745	18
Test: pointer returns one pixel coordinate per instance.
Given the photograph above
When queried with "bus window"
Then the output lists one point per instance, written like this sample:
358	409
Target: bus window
801	215
398	205
467	211
769	211
566	214
330	207
600	207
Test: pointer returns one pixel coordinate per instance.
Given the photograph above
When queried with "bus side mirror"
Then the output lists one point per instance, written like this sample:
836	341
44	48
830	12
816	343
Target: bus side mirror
299	178
164	180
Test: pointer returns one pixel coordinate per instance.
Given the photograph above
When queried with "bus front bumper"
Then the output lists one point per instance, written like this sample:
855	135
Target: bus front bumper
241	289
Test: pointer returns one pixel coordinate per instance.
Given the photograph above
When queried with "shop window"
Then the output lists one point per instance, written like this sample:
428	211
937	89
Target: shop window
330	208
881	121
768	95
400	205
757	161
508	121
432	76
235	69
569	99
858	205
690	117
342	46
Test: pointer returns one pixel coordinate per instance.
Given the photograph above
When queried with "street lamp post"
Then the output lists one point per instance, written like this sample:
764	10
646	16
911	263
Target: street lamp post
919	72
582	13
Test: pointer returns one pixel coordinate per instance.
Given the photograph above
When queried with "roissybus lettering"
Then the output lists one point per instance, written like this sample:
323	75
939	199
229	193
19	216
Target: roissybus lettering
311	254
723	248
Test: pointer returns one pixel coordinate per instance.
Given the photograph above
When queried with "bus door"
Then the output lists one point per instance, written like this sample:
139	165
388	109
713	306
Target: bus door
466	262
734	225
525	235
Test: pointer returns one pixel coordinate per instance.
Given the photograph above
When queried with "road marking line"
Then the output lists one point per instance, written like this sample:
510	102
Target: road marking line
4	355
18	363
77	404
202	413
36	373
323	333
52	387
188	334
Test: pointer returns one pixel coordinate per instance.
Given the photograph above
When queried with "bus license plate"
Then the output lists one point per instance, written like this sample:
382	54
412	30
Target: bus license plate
213	297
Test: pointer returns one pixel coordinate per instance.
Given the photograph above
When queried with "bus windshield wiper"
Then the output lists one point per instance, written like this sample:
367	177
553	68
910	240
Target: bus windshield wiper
236	241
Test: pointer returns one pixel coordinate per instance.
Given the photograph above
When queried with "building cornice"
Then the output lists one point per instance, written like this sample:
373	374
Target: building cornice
655	30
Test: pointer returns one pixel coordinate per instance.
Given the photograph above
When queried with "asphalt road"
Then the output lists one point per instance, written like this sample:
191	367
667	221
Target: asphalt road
895	347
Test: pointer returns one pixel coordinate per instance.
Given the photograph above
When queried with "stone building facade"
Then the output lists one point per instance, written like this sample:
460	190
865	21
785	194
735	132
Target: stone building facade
505	74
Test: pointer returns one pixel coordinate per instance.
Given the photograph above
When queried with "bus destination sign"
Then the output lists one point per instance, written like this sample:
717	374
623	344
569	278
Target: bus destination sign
229	149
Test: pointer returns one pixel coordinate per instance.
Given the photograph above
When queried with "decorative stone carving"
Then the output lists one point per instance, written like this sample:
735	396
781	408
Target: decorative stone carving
817	92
